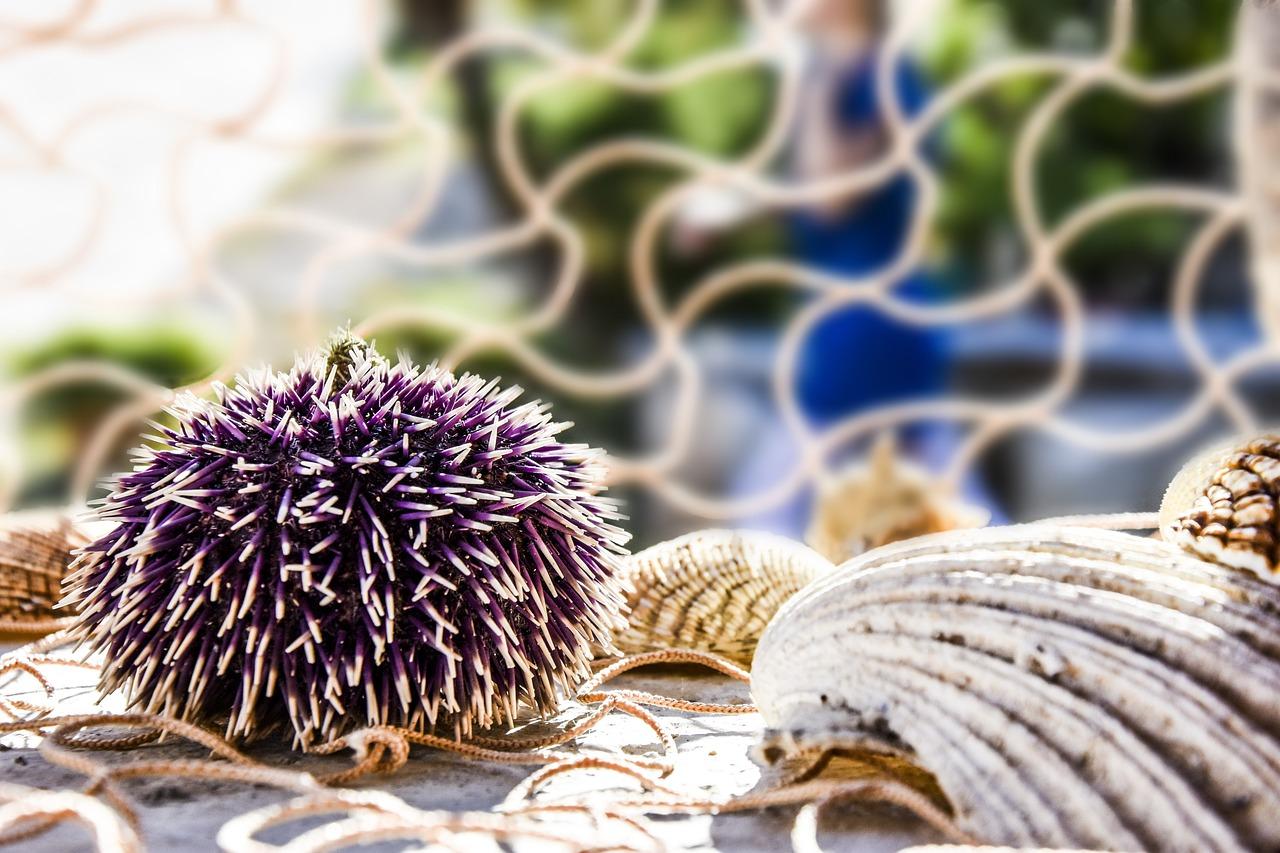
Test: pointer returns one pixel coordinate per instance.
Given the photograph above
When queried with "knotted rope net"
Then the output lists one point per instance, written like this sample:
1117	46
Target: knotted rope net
769	31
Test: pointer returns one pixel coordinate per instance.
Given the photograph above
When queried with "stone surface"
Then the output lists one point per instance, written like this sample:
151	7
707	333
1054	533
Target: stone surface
182	814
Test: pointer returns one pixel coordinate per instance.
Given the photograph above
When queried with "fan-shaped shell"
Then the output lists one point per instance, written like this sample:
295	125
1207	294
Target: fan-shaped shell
1067	687
713	590
36	548
881	500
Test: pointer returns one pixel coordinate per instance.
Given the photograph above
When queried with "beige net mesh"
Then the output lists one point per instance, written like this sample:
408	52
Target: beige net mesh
771	27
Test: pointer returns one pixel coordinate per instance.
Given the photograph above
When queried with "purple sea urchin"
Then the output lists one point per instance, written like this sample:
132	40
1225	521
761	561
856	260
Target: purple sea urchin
353	542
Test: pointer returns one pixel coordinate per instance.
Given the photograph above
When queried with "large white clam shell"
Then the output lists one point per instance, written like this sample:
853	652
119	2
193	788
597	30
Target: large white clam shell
1066	686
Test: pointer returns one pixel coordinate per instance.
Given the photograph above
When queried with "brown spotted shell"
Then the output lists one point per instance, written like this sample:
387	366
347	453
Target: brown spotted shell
1222	507
36	547
712	590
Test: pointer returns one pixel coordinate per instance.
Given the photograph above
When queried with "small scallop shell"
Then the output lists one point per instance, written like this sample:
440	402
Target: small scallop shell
1066	687
886	499
36	547
1222	506
713	590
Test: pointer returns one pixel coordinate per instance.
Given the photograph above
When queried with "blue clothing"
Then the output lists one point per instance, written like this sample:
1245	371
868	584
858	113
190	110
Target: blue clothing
858	358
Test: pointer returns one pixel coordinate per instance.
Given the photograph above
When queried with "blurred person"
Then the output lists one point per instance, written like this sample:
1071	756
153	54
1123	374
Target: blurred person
857	358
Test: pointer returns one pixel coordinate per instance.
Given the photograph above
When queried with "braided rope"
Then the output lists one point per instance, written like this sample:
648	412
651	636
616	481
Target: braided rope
384	749
379	749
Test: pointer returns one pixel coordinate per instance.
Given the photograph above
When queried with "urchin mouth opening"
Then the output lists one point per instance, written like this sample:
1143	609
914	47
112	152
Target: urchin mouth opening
342	352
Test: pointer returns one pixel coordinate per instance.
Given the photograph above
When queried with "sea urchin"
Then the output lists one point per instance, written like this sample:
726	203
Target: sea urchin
353	542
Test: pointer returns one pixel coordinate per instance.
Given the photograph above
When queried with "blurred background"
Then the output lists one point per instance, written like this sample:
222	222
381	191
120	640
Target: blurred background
732	241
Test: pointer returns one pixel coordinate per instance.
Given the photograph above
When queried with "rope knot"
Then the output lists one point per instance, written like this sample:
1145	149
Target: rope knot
378	749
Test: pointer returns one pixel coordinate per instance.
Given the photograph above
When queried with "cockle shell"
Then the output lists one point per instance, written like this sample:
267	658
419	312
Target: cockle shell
885	499
36	548
713	590
1065	686
1222	506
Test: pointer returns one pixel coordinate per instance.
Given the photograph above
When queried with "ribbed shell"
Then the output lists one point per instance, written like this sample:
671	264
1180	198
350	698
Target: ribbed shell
35	550
713	590
1230	515
1067	687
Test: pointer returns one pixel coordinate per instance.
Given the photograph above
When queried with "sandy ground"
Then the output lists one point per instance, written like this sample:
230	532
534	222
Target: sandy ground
180	814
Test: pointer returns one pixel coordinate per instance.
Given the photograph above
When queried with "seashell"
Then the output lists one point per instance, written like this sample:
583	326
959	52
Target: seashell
1222	506
1065	686
36	547
886	499
712	590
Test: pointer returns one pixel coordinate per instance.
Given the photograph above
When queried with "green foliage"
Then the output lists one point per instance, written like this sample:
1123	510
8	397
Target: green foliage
720	115
164	353
1104	142
58	423
1177	35
588	24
